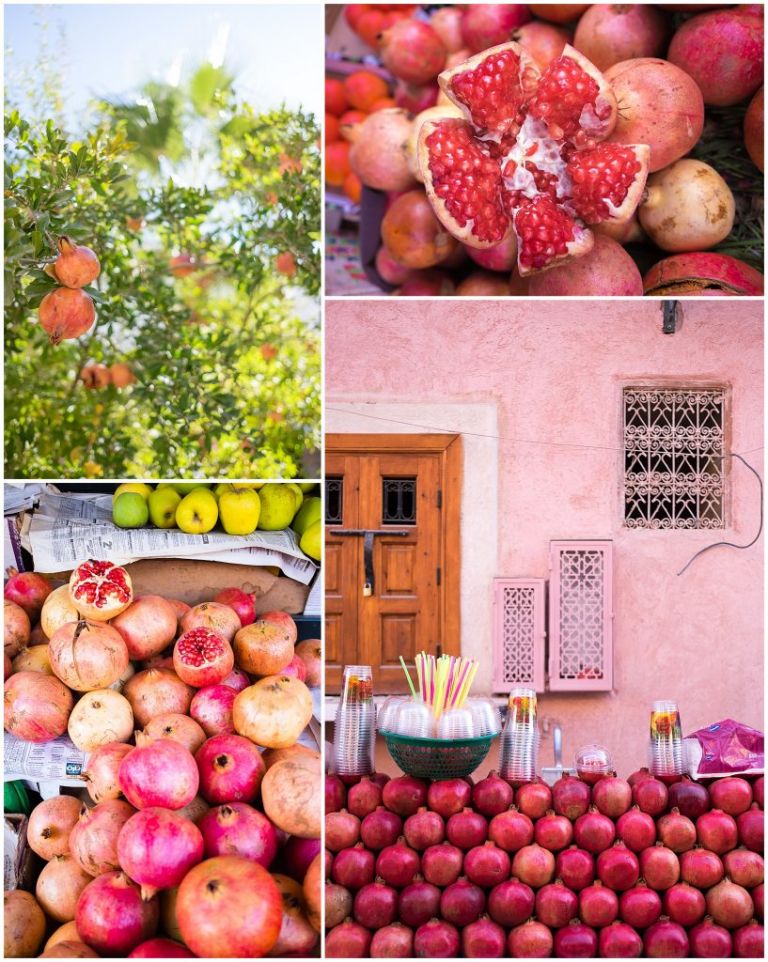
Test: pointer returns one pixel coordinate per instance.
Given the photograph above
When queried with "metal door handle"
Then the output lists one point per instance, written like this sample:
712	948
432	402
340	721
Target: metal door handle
361	532
368	534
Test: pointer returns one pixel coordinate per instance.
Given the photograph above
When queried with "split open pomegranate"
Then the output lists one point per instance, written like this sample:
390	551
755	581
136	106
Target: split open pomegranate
527	156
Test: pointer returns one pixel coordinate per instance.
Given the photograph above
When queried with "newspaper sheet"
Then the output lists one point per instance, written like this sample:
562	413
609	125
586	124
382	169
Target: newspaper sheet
57	760
67	529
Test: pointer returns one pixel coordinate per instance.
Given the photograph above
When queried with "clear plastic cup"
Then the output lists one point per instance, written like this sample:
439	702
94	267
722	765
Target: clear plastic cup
593	762
387	714
415	719
521	709
485	715
456	723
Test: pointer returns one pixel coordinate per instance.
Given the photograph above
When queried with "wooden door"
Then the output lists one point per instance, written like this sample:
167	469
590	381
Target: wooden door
391	558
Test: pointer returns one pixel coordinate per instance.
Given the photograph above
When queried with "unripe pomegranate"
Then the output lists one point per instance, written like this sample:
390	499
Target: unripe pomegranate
75	266
66	313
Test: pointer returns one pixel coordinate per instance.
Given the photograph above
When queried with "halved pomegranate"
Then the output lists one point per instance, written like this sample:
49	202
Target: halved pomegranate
528	156
100	590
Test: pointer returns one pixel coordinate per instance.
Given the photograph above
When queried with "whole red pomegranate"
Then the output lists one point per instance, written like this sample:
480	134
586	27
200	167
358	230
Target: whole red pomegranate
87	655
405	795
112	917
157	848
93	840
749	941
37	706
211	707
534	799
570	797
751	828
76	265
50	824
607	270
179	728
701	868
730	905
28	590
575	867
66	313
413	234
576	941
619	941
611	32
348	941
148	626
612	796
412	51
486	25
543	41
556	905
732	795
710	941
398	864
160	949
717	831
598	905
231	769
593	831
241	601
162	773
665	940
229	907
155	692
534	865
531	940
636	829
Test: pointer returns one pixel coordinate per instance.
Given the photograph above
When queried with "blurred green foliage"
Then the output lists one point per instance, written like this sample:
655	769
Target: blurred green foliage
227	357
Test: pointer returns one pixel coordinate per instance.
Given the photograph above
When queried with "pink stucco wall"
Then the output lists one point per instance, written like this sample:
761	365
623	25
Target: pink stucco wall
554	370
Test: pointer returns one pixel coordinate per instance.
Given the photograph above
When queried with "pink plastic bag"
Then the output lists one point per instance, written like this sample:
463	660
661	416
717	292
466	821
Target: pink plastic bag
726	747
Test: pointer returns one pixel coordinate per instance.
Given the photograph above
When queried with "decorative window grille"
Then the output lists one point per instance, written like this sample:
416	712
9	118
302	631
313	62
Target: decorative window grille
580	616
673	465
518	611
334	500
398	499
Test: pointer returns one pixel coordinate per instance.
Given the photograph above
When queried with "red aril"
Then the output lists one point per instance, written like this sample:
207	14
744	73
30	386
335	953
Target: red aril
112	917
556	905
418	903
576	941
665	940
156	848
405	795
423	829
93	840
162	773
364	797
684	904
701	868
731	795
375	905
532	940
486	865
618	868
202	657
148	625
342	830
640	906
100	590
730	905
534	799
511	902
689	797
449	796
636	829
393	941
211	708
744	867
598	905
157	691
348	941
486	25
511	830
436	940
676	831
353	867
37	706
554	832
749	942
650	795
466	829
240	601
659	867
717	831
462	902
483	939
396	864
535	866
442	864
576	868
751	829
50	824
28	590
619	941
380	829
570	797
593	831
710	941
231	769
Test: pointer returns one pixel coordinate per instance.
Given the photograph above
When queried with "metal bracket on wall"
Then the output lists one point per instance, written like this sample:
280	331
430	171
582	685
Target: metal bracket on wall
669	323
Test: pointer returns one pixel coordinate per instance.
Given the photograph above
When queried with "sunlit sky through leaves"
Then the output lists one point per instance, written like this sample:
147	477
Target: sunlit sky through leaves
275	52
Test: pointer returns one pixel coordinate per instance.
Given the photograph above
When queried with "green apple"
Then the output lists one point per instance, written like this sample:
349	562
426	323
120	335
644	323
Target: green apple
311	541
185	487
239	510
162	507
297	493
137	487
309	512
197	512
129	510
278	506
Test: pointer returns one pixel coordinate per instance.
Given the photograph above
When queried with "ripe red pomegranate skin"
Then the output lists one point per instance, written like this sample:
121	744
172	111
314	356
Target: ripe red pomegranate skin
689	797
397	864
723	52
612	796
423	829
749	941
393	941
37	706
651	796
659	105
487	865
162	774
436	940
418	903
532	940
619	941
758	791
554	832
231	769
676	831
76	265
570	796
703	274
534	799
636	829
380	829
375	905
490	796
412	51
618	867
353	867
751	828
659	867
348	941
462	903
486	25
466	829
731	795
576	941
598	905
364	797
241	601
335	794
701	868
606	271
442	864
608	33
594	832
28	590
556	905
148	626
511	903
211	708
710	941
229	907
543	41
576	868
447	797
511	830
111	916
342	830
730	905
640	906
160	949
684	904
405	795
535	866
666	940
157	848
483	939
93	841
717	831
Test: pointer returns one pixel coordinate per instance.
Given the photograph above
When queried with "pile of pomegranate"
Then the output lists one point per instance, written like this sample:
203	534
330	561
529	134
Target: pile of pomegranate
198	833
615	868
67	312
546	149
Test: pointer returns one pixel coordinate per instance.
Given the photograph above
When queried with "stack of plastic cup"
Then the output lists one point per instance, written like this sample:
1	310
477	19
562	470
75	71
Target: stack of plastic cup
667	754
354	738
415	719
456	723
520	737
485	716
593	762
386	716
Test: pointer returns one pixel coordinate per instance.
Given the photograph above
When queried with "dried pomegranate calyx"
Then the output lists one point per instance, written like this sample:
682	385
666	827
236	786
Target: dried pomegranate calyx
528	156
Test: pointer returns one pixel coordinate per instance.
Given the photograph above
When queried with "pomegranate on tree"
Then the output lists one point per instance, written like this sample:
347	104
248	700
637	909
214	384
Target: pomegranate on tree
202	657
66	313
100	590
534	152
76	265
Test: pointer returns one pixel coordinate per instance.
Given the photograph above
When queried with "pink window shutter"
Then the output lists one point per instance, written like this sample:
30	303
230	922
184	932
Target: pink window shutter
518	633
581	616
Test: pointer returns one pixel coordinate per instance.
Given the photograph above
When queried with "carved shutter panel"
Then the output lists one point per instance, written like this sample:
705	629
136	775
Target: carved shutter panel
518	634
581	616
